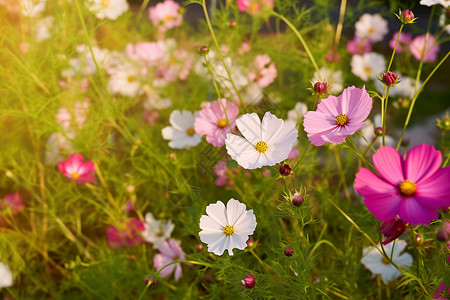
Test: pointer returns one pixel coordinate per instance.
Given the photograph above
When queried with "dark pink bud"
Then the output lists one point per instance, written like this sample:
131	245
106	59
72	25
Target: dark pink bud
250	242
392	229
320	87
442	235
297	199
249	281
199	247
285	170
390	78
204	50
288	251
378	131
407	16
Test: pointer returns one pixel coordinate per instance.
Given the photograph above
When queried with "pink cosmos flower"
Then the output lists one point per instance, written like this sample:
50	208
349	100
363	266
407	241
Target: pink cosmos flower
170	251
213	122
417	48
403	42
359	46
129	234
442	292
77	117
77	169
150	53
254	6
412	188
338	117
265	71
166	15
14	201
220	169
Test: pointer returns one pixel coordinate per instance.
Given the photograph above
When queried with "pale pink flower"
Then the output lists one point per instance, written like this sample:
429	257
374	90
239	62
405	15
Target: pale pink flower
412	188
73	118
128	234
245	47
403	42
417	48
254	6
338	117
264	72
170	251
150	53
165	15
14	201
220	169
215	120
359	46
77	169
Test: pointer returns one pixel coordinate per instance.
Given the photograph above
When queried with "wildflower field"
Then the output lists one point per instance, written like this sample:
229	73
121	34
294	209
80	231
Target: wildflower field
224	149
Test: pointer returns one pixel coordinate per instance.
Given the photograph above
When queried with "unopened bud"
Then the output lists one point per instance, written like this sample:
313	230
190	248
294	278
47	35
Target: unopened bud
249	281
407	16
320	87
199	247
378	131
297	199
250	242
288	251
390	78
204	50
285	170
149	281
442	235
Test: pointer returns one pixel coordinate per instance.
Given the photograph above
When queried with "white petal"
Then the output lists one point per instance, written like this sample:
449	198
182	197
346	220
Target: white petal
250	127
234	211
270	127
246	224
209	224
217	212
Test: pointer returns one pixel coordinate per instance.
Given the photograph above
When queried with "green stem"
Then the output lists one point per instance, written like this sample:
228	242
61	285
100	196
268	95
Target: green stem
385	105
370	145
416	96
357	152
341	22
395	47
299	36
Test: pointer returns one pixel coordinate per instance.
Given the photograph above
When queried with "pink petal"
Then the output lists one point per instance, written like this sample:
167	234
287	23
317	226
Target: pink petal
89	178
178	271
86	168
317	122
383	207
435	191
422	162
368	184
329	106
413	212
360	105
388	162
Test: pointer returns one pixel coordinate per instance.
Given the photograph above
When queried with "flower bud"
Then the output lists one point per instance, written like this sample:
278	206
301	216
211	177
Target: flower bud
149	281
390	78
199	247
297	199
285	170
249	281
407	16
378	131
404	143
288	251
392	229
442	235
204	50
250	242
320	87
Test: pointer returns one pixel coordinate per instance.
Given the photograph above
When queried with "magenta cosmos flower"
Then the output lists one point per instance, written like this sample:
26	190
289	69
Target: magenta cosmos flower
338	117
412	188
442	292
128	234
170	251
77	169
212	121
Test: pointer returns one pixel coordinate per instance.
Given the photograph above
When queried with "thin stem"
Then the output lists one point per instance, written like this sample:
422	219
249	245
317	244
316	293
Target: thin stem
417	95
385	105
337	38
342	173
395	47
370	144
419	71
299	36
446	161
357	152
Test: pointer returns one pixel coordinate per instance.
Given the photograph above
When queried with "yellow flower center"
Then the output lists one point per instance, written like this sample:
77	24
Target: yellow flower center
75	175
385	261
254	7
222	123
190	131
105	3
261	147
130	78
341	120
407	188
228	230
169	18
367	70
371	30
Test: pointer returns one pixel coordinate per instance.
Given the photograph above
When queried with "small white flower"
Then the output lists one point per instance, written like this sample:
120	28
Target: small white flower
6	277
32	8
56	149
444	3
368	66
372	27
378	264
332	78
182	134
42	29
110	9
264	143
226	228
298	112
125	81
156	232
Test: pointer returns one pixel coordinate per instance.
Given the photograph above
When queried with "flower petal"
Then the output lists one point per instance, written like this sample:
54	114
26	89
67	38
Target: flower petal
250	127
210	225
234	211
368	184
435	191
384	207
388	162
217	212
422	162
413	212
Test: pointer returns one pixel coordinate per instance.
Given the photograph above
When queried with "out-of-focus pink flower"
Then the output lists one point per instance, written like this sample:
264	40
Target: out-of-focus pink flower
253	7
150	53
265	71
245	47
359	46
170	251
151	117
333	55
403	42
128	234
77	117
77	169
338	117
220	169
413	188
417	48
13	201
166	15
293	154
442	292
212	121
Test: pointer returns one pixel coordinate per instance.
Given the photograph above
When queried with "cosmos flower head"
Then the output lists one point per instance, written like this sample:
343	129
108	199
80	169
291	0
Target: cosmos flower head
170	251
181	133
428	48
368	65
107	9
412	188
166	15
77	169
372	27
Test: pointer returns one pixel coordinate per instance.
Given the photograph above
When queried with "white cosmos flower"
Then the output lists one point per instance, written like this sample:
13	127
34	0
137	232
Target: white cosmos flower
6	277
368	66
444	3
372	27
264	143
226	228
378	264
110	9
156	231
182	134
32	8
298	112
332	78
42	29
125	81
